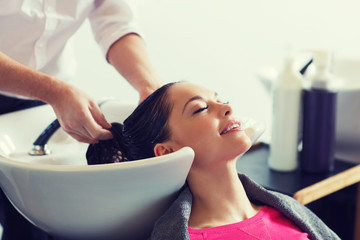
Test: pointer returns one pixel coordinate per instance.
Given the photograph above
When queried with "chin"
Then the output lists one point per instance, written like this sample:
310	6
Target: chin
244	144
239	148
247	143
243	148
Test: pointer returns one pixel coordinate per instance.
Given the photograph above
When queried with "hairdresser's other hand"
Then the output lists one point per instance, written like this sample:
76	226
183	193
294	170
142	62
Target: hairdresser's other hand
145	93
79	115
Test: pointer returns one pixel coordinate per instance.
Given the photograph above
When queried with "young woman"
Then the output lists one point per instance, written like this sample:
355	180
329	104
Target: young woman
218	202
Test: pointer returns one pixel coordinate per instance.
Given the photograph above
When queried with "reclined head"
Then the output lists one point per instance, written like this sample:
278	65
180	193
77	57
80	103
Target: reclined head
174	116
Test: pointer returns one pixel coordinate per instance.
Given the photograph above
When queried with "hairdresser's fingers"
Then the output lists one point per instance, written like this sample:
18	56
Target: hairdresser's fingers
81	125
85	136
93	130
80	138
87	131
73	125
74	110
99	116
97	127
81	135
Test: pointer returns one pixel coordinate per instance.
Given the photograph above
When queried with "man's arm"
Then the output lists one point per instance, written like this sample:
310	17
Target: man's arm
77	113
129	56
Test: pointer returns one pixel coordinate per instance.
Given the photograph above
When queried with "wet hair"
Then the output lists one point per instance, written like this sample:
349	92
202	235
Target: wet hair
141	131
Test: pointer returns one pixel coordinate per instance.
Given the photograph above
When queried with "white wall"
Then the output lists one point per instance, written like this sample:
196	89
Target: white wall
223	43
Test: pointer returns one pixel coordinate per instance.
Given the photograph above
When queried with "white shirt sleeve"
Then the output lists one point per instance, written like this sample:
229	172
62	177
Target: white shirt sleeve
112	19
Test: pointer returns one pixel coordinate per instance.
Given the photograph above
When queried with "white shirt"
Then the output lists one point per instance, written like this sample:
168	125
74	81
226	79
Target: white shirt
35	32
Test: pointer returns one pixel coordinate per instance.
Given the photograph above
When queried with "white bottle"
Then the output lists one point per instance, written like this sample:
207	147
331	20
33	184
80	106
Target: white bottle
286	110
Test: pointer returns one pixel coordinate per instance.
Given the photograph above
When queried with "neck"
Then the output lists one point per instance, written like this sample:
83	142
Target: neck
219	198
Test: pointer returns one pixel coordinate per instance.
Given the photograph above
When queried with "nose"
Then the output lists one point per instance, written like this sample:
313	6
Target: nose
225	109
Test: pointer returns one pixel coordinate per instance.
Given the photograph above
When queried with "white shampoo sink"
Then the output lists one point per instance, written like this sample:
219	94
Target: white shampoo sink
65	197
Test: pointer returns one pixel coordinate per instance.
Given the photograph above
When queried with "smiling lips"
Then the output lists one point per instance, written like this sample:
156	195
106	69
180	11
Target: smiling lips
231	126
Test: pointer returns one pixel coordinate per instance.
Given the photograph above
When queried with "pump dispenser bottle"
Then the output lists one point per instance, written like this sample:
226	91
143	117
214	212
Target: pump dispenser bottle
319	118
286	108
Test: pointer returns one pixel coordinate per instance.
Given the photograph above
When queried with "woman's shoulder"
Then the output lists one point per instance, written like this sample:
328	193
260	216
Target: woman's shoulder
173	224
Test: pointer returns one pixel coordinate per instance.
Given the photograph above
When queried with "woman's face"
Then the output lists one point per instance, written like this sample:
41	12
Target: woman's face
202	121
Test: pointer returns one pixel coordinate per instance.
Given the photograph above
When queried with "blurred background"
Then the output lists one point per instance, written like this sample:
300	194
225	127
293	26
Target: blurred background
224	45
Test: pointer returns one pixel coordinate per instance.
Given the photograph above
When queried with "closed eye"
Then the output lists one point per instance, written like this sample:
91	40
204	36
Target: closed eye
200	110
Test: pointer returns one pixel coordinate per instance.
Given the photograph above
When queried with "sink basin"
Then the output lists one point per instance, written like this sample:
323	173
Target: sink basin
65	197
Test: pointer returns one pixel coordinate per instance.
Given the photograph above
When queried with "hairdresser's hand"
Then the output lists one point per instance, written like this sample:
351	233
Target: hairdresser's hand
77	113
144	95
80	116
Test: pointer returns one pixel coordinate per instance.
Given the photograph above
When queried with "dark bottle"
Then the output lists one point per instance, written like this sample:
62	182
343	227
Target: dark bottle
319	119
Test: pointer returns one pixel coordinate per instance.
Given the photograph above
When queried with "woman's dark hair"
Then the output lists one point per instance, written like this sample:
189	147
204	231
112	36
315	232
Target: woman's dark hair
141	131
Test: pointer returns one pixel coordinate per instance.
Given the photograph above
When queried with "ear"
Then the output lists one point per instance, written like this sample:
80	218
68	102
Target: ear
163	149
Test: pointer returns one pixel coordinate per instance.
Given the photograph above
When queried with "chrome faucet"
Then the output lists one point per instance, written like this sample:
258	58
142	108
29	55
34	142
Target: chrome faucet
40	147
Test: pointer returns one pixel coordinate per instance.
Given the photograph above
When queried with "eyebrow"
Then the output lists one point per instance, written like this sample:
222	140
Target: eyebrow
195	98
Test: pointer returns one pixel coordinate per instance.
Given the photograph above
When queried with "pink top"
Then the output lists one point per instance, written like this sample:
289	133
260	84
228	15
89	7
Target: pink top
268	223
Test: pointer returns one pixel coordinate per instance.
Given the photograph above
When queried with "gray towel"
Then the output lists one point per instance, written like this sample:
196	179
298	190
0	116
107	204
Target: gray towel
173	225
